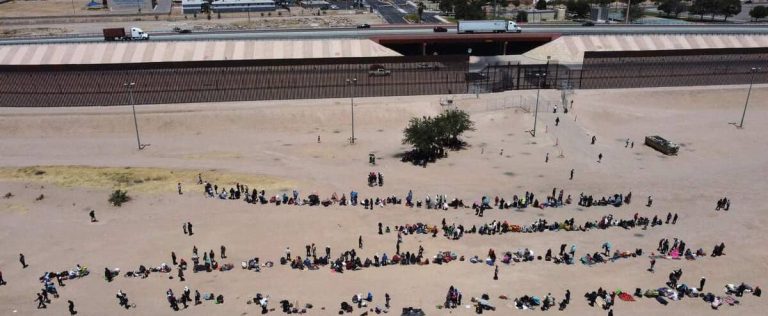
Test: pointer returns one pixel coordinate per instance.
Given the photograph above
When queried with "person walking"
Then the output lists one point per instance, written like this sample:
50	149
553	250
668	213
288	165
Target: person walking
40	301
92	214
2	281
386	300
650	201
600	157
181	275
557	121
72	311
173	257
594	139
23	261
197	298
184	227
223	252
189	228
496	273
674	219
179	187
571	175
360	242
626	144
653	263
546	158
701	283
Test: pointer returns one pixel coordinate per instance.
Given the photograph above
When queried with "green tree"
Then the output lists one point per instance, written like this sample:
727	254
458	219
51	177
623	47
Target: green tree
729	8
758	12
522	16
446	6
672	7
451	124
422	134
579	8
469	10
635	12
541	5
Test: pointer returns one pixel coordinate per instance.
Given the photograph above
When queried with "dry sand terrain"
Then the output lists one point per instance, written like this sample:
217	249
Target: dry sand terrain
272	145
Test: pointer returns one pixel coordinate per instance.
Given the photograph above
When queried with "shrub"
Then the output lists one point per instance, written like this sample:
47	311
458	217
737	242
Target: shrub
119	197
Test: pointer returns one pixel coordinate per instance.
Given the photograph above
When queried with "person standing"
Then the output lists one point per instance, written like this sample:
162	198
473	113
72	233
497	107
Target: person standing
496	273
674	219
594	139
173	257
653	263
184	227
179	187
288	253
386	300
92	214
72	311
701	283
650	201
189	228
546	158
380	232
223	252
23	263
181	275
197	298
557	121
571	175
2	281
600	157
360	242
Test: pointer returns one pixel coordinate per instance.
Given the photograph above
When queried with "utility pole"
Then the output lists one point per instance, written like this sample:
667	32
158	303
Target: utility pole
538	90
350	83
129	86
629	4
751	80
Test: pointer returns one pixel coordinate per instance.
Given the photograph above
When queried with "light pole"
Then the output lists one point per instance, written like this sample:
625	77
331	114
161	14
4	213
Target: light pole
351	82
538	90
629	5
751	80
129	86
249	14
73	7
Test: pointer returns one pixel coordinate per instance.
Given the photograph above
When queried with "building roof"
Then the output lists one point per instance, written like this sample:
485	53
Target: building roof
570	49
157	51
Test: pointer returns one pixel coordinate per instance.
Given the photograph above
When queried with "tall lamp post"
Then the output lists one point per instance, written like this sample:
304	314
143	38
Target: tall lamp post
129	86
352	82
538	90
751	80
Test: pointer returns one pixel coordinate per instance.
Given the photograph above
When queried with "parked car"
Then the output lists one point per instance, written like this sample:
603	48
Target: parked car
427	66
440	29
377	71
364	26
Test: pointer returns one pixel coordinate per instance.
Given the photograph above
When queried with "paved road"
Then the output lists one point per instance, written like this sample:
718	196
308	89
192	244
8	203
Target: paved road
394	11
385	30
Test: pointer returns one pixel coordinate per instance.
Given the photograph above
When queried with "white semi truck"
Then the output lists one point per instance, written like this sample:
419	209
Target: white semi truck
119	33
488	26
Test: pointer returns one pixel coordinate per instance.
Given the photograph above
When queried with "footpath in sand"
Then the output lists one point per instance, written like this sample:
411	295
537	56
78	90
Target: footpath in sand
74	157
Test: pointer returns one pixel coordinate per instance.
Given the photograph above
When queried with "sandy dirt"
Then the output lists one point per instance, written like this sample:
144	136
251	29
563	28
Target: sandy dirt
277	140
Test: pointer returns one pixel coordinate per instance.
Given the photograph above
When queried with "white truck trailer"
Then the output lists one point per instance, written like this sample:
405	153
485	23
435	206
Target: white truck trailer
488	26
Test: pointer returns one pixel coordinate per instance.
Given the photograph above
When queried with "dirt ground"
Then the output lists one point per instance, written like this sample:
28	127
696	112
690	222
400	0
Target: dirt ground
273	145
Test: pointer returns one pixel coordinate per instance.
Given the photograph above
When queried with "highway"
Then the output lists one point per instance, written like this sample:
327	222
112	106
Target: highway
388	30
